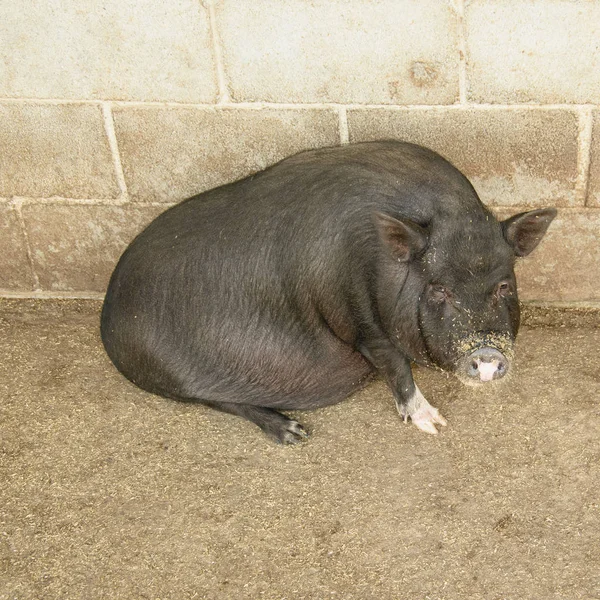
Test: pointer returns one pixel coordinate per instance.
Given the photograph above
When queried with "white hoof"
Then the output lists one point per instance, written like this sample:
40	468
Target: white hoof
421	413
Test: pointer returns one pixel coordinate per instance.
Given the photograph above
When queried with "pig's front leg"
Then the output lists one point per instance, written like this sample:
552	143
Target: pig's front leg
410	402
421	413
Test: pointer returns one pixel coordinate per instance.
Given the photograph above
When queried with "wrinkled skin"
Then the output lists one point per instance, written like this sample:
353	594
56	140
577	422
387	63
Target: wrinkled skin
288	289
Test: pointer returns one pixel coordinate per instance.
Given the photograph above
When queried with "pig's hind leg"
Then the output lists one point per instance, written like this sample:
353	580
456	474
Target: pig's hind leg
278	427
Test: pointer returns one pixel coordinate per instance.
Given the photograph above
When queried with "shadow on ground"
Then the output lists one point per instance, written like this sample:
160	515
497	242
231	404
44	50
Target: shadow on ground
110	492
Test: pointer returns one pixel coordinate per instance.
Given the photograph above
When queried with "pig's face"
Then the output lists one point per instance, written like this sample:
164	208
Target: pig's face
468	309
469	315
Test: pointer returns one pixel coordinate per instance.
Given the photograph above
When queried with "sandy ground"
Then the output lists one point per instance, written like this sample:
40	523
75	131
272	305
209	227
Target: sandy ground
109	492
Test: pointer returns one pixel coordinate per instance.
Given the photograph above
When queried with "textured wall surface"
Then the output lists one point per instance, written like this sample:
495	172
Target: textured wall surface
112	111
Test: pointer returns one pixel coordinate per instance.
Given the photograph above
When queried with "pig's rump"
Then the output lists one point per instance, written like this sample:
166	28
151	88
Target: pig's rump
200	310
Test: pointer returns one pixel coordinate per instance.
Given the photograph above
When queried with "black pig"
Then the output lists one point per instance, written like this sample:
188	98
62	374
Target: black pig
287	289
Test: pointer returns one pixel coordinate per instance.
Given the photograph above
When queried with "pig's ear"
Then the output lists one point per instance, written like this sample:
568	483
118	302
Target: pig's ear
404	238
525	230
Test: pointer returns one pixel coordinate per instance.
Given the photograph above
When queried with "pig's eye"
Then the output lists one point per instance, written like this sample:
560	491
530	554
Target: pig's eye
439	294
503	288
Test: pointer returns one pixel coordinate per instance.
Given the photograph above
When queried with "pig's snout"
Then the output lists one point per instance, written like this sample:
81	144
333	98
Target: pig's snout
486	364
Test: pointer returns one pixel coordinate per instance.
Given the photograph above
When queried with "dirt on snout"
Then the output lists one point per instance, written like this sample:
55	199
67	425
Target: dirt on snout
109	492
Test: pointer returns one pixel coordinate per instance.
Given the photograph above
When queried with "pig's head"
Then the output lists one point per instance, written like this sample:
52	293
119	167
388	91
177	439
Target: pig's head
462	277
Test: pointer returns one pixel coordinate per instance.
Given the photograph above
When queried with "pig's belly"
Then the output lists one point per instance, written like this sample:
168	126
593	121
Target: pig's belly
308	385
291	376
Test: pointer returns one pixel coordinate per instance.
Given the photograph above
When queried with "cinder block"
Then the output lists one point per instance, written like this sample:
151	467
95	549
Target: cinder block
524	157
593	198
386	52
169	154
537	51
79	49
76	247
565	267
15	271
55	150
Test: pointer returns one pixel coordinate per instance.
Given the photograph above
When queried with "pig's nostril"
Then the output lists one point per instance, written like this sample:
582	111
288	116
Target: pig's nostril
473	368
501	368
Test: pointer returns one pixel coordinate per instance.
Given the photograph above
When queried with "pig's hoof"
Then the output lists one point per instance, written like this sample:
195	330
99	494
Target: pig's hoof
290	432
426	418
421	413
278	427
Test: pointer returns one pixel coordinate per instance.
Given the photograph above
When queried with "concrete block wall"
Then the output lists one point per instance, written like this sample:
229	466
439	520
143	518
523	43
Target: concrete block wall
111	111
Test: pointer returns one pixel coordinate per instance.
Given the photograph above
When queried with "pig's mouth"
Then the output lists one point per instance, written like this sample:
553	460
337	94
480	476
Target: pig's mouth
484	359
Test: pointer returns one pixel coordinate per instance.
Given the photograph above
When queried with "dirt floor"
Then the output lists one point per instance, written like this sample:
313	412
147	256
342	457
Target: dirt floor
110	492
